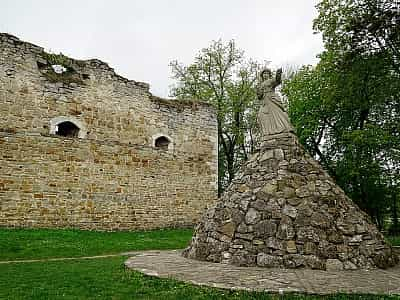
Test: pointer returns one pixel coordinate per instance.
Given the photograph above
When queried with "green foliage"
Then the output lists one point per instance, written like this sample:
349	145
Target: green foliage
347	109
394	240
67	77
361	27
43	243
58	59
348	115
221	76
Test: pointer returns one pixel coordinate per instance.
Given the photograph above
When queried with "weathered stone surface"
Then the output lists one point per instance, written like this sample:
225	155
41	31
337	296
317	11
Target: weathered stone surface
290	211
289	193
111	176
263	278
267	155
265	228
226	255
294	217
274	243
270	188
285	229
259	205
252	216
310	248
243	258
258	242
279	154
319	220
334	265
303	191
291	247
228	228
266	260
348	265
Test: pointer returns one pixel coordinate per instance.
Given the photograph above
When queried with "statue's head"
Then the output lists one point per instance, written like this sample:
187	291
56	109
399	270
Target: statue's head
265	74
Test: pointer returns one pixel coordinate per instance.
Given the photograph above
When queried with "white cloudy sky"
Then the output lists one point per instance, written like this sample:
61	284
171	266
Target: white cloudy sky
139	38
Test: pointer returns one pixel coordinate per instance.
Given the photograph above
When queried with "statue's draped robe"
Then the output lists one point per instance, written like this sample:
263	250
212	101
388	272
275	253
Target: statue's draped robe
272	117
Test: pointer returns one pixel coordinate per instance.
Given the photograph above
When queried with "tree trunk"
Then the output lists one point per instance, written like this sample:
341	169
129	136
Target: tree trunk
394	229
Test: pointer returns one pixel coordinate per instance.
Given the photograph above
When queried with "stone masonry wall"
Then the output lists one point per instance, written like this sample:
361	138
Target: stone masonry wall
112	177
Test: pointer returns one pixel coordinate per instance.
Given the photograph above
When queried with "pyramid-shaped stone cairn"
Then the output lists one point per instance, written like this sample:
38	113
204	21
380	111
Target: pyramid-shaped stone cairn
283	210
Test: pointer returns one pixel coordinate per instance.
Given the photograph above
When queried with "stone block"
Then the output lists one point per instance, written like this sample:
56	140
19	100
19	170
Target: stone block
252	216
291	247
228	228
269	261
334	265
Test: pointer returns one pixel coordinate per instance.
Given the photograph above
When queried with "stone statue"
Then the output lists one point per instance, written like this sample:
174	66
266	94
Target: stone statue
272	117
298	229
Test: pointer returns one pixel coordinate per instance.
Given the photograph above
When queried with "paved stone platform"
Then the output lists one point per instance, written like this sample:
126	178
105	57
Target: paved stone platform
170	264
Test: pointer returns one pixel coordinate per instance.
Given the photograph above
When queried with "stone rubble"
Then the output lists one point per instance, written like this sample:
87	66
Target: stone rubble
284	210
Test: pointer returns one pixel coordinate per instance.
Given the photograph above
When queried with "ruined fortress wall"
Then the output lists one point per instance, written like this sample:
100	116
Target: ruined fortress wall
112	177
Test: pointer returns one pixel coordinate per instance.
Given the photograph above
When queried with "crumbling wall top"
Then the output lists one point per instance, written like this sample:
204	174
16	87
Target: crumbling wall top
83	69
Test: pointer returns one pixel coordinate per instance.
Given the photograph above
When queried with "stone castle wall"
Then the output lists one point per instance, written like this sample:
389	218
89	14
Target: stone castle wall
112	176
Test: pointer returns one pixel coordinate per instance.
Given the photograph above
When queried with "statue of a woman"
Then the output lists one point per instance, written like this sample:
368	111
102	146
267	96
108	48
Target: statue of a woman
272	117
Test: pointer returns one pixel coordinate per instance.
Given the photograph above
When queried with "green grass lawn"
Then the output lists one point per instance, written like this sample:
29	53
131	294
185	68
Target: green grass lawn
44	243
108	279
104	278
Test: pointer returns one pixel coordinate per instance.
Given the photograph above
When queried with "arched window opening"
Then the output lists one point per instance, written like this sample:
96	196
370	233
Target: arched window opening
68	126
67	129
162	142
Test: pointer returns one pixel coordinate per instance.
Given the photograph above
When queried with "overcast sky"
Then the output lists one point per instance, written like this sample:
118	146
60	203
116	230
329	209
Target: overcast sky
139	38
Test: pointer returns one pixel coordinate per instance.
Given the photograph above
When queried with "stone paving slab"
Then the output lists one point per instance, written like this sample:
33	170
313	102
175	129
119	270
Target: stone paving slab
170	264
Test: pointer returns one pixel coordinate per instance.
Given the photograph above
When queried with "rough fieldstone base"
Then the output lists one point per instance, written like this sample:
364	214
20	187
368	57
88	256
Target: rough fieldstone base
170	264
283	210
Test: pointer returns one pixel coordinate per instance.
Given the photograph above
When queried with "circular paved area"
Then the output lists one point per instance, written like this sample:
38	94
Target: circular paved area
170	264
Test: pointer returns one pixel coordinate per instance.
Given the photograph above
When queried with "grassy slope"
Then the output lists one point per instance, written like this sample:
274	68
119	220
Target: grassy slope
44	243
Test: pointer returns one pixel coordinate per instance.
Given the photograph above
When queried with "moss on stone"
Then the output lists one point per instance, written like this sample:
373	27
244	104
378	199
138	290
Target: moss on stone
179	103
67	77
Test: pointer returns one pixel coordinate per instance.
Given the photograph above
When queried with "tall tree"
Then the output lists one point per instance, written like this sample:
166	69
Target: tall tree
363	38
221	75
361	27
348	115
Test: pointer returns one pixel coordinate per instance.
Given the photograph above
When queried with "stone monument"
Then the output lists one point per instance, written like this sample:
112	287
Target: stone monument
283	210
